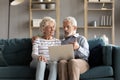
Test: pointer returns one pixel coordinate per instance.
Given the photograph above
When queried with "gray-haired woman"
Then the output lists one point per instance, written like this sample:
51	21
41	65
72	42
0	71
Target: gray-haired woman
40	53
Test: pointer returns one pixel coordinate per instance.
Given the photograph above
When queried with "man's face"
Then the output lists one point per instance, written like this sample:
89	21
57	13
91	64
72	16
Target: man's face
69	29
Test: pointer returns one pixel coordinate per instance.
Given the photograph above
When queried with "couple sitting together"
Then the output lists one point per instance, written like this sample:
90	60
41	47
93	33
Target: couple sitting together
66	69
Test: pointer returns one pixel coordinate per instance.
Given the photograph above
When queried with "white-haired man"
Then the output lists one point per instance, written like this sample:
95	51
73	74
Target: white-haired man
74	67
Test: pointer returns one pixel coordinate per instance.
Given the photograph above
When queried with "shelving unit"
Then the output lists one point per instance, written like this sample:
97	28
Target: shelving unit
99	19
36	6
93	12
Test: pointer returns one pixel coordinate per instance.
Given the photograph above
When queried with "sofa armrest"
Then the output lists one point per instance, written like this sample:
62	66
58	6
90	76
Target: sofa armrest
116	62
107	55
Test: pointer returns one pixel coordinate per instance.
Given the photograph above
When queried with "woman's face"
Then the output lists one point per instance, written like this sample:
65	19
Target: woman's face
49	30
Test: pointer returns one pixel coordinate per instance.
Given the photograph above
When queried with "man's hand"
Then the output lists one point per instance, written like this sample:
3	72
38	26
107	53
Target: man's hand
42	58
75	45
34	38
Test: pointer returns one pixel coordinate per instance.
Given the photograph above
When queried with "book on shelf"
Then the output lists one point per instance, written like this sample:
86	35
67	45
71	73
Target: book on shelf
105	21
102	21
110	20
36	22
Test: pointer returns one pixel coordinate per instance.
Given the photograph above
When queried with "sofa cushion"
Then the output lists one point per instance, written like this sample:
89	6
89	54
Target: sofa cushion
95	42
2	60
107	55
96	56
98	72
17	51
19	72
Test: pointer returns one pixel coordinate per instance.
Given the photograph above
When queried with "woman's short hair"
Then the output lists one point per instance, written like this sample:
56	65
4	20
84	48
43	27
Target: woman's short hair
45	21
72	20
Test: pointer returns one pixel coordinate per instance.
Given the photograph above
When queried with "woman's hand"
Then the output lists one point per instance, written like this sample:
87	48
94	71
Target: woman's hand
42	58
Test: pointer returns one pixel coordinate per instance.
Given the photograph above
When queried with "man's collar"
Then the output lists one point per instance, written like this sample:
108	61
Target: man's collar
76	35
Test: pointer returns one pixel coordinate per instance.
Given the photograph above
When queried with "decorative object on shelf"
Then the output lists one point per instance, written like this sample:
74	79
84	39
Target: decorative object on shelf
93	24
50	6
103	7
40	0
48	0
39	6
105	38
95	36
36	22
43	6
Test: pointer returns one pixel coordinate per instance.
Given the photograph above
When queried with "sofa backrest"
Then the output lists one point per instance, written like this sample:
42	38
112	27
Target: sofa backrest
17	51
95	42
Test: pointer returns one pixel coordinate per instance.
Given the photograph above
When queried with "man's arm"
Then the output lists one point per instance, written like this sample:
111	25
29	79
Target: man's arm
34	38
83	49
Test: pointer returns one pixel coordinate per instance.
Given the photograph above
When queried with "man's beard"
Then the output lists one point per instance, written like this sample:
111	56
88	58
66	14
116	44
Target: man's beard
69	34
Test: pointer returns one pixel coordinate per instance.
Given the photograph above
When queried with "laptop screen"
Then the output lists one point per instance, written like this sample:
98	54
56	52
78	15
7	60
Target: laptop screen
61	52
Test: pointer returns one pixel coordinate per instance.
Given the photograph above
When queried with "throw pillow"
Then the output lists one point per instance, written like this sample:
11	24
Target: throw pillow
2	60
95	42
96	56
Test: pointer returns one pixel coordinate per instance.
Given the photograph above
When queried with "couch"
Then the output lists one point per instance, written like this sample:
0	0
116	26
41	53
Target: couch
15	57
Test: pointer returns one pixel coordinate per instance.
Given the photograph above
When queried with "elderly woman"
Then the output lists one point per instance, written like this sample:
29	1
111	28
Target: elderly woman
40	53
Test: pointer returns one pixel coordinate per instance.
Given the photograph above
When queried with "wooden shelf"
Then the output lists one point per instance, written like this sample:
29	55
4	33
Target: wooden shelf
95	9
99	9
79	27
100	27
45	2
35	27
37	9
34	8
101	2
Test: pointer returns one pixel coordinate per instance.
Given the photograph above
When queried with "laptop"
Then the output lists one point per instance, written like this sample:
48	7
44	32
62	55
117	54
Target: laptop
61	52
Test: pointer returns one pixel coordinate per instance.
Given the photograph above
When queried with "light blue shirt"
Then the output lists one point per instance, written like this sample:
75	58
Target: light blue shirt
83	51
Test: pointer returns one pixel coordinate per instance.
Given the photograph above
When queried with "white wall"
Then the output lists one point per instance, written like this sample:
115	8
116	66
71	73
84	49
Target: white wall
19	24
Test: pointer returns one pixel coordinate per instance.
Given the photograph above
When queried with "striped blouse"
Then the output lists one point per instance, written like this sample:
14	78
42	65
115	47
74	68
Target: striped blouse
40	47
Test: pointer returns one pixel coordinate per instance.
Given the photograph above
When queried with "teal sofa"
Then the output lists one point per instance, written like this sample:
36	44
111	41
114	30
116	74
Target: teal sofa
15	57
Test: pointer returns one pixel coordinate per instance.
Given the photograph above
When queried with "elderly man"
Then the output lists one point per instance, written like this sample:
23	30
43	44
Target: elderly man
74	67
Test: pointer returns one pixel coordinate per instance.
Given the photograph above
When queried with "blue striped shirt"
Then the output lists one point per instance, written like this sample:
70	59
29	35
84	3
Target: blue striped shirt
83	51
